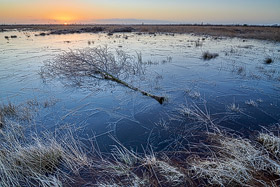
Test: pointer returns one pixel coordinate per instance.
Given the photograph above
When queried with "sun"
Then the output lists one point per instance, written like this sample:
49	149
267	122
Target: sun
63	19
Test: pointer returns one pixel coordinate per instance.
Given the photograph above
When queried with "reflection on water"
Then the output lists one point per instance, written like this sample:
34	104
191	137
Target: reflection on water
237	83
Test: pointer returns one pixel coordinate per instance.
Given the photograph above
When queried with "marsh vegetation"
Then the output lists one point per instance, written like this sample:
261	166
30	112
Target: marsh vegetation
250	32
61	158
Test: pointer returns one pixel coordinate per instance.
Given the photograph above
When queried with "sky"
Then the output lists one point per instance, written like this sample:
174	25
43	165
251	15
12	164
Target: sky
147	11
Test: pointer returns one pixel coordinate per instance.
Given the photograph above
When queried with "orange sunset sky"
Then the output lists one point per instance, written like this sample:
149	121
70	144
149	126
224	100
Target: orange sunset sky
169	11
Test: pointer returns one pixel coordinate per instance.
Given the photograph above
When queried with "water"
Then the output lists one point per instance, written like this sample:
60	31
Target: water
238	75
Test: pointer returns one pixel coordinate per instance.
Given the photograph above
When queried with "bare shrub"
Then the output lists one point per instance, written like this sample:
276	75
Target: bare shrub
96	62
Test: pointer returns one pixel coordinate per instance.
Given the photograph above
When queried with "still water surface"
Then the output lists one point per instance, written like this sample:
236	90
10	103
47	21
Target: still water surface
177	71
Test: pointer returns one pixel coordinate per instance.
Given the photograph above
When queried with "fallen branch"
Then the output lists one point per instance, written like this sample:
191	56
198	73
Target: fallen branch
98	63
115	79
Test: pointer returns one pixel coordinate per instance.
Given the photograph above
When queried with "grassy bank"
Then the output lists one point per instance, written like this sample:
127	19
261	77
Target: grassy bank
249	32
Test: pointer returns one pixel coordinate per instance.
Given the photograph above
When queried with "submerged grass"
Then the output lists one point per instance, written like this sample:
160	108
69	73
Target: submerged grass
8	110
20	113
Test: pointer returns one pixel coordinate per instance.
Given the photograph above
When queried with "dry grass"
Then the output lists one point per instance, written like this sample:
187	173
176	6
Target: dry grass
199	115
21	112
57	160
60	159
237	161
142	170
34	161
1	120
230	165
271	143
28	158
8	110
231	160
254	32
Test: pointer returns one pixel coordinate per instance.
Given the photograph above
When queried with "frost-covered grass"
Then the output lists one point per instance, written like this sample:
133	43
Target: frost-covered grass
46	159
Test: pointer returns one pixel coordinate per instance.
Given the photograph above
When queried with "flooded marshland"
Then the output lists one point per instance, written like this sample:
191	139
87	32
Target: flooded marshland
237	87
138	109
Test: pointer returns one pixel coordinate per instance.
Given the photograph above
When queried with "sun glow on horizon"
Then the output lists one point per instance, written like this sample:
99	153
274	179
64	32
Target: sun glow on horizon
190	11
64	19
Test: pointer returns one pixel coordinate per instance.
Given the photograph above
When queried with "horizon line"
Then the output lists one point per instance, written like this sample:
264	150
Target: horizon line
139	24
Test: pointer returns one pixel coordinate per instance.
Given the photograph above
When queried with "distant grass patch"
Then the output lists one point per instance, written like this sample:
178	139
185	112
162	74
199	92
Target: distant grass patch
209	56
268	60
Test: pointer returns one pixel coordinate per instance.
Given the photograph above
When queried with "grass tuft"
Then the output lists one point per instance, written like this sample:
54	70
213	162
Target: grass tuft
270	142
236	161
268	60
8	110
34	161
38	158
2	122
229	165
251	103
209	56
234	108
